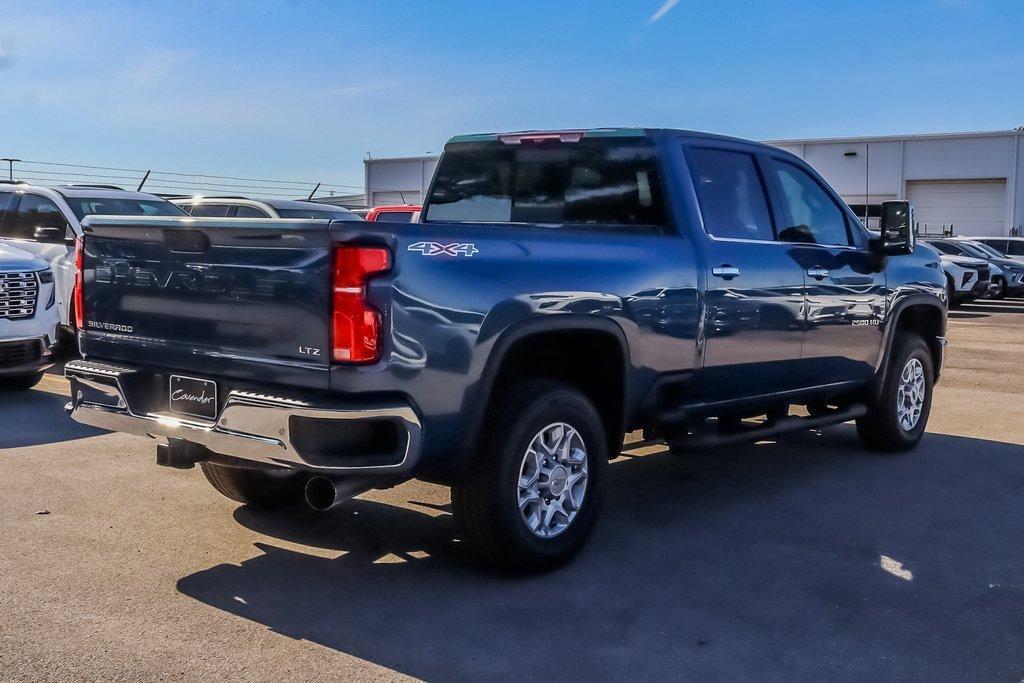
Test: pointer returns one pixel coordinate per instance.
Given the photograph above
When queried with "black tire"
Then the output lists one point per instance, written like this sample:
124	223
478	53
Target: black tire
1000	291
263	488
951	294
880	429
485	502
67	343
20	382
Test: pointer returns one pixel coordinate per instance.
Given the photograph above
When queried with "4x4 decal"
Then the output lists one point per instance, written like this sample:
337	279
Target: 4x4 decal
438	249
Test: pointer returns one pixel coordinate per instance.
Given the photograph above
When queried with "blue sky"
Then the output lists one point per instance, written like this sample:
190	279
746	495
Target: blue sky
305	89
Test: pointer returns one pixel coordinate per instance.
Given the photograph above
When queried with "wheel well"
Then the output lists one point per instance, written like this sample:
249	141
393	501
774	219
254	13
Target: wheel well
925	321
591	360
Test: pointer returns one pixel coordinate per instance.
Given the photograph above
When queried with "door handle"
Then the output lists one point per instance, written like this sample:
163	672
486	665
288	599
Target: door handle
818	273
725	271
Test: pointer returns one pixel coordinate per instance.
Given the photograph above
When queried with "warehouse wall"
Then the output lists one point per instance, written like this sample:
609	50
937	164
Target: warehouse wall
398	181
893	162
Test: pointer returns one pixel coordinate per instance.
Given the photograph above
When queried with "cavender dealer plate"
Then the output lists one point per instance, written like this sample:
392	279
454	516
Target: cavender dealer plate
193	396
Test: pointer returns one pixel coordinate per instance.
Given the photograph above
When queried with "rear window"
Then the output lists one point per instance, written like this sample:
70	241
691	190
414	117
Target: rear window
107	206
394	217
591	182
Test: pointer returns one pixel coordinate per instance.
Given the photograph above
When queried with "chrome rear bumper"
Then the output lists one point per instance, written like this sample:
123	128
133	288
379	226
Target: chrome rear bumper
250	426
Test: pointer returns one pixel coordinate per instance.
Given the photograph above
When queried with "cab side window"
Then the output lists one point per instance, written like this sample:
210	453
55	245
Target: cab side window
811	215
33	212
6	201
947	248
731	194
210	210
243	211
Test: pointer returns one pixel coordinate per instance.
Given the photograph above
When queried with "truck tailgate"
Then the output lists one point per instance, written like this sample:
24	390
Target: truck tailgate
227	297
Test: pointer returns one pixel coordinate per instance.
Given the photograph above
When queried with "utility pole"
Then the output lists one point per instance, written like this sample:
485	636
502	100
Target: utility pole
10	166
867	184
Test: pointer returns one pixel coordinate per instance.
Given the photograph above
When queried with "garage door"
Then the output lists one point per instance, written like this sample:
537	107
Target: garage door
974	207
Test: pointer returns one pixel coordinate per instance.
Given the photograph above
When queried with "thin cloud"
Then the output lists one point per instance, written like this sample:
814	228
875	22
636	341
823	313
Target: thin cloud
156	64
665	8
6	56
355	89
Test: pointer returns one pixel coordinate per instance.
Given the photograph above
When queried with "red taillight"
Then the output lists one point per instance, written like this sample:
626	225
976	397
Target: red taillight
79	277
355	323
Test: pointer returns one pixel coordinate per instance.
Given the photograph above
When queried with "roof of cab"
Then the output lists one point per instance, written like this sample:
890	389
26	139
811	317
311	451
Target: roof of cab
614	132
102	193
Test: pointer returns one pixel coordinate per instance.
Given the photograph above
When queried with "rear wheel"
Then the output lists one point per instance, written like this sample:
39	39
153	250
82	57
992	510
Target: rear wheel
531	497
898	418
264	488
20	382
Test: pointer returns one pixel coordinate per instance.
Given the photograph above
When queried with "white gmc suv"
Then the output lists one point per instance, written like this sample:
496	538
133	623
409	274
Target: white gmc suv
45	221
28	318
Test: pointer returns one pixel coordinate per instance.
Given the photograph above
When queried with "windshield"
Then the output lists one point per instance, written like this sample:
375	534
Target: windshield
116	206
973	250
597	182
329	214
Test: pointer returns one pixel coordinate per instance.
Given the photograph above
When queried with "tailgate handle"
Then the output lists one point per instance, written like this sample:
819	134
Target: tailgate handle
186	241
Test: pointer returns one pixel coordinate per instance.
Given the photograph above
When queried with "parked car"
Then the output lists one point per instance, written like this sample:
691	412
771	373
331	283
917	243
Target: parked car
246	207
45	221
399	213
1007	246
28	318
1010	247
967	278
1007	273
633	279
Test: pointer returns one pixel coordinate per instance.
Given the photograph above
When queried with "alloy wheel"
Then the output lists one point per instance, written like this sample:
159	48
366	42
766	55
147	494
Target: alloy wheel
910	395
553	480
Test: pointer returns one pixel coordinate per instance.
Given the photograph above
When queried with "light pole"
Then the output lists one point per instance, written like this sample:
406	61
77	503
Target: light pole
10	166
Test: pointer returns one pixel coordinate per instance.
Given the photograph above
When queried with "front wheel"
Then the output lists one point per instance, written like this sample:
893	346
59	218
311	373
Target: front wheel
999	291
531	497
897	419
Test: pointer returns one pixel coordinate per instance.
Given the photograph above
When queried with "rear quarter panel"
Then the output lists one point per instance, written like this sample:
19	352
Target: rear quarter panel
450	307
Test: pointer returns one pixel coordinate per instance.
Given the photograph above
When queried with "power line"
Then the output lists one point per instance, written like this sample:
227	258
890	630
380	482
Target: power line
189	175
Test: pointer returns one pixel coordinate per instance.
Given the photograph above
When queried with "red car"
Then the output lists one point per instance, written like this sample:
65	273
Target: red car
402	213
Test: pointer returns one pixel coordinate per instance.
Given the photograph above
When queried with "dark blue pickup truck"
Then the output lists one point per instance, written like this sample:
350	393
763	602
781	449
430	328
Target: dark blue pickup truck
560	290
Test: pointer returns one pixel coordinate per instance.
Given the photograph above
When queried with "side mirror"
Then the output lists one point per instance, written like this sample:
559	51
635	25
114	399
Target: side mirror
50	234
896	226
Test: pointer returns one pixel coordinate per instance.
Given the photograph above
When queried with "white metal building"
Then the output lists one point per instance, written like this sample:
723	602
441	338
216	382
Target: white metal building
399	180
973	181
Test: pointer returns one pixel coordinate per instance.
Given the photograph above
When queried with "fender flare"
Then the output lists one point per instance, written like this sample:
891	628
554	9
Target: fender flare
479	398
905	302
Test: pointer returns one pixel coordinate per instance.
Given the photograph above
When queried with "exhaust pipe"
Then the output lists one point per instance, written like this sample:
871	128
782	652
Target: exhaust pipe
323	493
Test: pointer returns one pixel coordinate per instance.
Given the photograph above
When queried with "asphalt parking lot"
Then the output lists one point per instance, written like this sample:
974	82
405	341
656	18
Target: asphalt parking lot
808	558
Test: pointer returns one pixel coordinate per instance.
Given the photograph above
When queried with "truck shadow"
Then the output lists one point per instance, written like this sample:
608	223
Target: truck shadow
810	558
33	418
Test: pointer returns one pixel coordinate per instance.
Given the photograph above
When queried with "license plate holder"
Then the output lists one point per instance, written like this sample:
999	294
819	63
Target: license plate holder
192	396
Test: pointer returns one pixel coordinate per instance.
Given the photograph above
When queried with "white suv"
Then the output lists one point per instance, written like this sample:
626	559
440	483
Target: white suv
28	318
45	221
967	278
245	207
